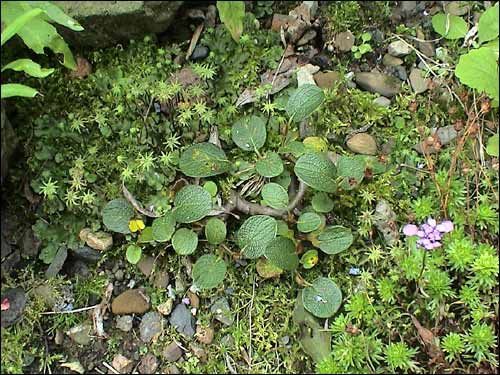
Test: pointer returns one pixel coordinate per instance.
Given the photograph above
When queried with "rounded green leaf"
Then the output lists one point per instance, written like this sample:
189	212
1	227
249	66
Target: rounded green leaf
321	202
184	241
116	215
275	195
192	203
492	147
323	298
281	253
335	239
249	133
203	160
163	227
309	259
146	235
317	171
270	166
215	231
304	101
133	254
449	26
208	272
488	24
211	187
352	171
308	222
255	234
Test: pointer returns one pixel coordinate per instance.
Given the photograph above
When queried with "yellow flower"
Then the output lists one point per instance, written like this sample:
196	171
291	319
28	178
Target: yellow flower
136	225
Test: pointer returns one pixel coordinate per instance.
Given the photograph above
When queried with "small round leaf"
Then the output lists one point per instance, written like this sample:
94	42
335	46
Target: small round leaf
323	298
192	203
281	253
308	222
309	259
163	228
270	166
203	160
321	202
184	241
249	133
133	254
275	195
208	272
335	239
315	170
116	215
211	187
255	234
215	231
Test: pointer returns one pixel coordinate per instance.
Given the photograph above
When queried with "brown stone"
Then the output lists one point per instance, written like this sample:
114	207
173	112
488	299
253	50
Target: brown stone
326	80
132	301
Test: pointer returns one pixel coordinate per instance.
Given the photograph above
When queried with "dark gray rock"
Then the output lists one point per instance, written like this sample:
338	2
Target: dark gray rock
57	263
78	268
87	254
107	23
151	326
124	323
172	352
182	320
222	311
199	53
16	300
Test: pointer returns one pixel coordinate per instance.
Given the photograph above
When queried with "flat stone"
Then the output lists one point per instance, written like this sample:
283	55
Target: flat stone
389	60
344	41
199	53
107	23
80	334
362	143
101	241
146	265
398	48
205	335
326	80
166	307
87	254
222	312
15	300
307	37
418	83
132	301
77	268
427	48
400	72
57	263
378	83
172	352
305	74
445	135
382	101
148	365
150	327
182	320
122	364
124	323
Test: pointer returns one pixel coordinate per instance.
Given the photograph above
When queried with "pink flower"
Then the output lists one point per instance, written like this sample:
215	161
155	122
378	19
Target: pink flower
431	222
186	301
410	230
445	227
5	304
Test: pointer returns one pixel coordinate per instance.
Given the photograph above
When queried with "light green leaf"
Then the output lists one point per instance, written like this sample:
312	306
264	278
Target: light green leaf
211	187
335	239
192	203
488	24
133	254
317	171
309	259
203	160
275	195
295	148
281	253
116	215
29	67
184	241
321	202
304	101
308	222
16	89
231	14
492	147
18	23
215	231
53	12
323	298
479	69
163	227
208	272
146	235
249	133
449	26
352	171
270	166
255	234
